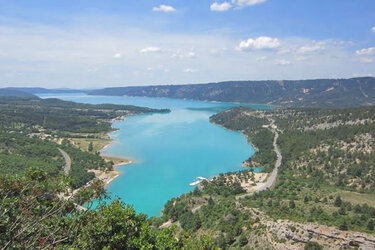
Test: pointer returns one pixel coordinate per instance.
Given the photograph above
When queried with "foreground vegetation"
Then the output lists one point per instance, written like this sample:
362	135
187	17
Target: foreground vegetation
32	216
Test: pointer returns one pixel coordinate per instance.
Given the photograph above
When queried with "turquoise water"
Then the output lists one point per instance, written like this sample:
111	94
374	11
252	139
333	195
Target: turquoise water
168	150
258	170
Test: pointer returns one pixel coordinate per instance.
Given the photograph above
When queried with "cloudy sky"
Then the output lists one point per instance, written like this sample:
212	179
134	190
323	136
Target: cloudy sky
96	43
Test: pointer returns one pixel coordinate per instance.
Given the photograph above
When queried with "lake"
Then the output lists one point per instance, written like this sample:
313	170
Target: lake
168	150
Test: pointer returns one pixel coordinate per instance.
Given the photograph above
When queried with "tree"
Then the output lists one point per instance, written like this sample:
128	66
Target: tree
292	205
269	203
338	201
371	225
211	202
342	210
357	209
243	240
91	147
33	216
39	218
344	226
306	199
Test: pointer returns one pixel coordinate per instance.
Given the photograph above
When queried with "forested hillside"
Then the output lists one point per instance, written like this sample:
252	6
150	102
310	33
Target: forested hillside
337	93
32	130
325	186
24	114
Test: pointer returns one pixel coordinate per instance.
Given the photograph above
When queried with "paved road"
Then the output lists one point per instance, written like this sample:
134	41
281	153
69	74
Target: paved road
68	162
272	178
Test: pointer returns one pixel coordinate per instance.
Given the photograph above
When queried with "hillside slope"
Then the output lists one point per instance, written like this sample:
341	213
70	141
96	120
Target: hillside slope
323	195
301	93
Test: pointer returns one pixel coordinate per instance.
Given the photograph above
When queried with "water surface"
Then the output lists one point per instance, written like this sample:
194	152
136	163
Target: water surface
168	150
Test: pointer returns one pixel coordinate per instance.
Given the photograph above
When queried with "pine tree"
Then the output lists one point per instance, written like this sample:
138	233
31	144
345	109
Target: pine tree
371	225
338	201
292	205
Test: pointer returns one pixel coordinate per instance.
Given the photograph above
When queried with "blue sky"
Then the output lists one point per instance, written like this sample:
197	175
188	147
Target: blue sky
66	43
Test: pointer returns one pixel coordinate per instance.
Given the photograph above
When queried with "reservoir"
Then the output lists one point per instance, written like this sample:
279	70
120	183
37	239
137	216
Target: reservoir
168	150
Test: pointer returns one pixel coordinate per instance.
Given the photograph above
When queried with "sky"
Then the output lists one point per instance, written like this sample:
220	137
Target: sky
96	43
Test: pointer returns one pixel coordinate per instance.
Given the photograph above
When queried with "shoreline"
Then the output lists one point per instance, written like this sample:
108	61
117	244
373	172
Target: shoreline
108	177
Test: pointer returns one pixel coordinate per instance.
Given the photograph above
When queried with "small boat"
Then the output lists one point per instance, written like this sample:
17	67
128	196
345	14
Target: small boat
199	179
195	183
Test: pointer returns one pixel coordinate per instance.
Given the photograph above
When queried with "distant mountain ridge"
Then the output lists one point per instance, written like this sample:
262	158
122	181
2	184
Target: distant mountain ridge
32	91
343	93
37	90
15	93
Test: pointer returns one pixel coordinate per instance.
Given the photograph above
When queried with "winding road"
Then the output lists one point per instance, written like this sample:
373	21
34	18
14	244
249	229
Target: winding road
272	178
68	162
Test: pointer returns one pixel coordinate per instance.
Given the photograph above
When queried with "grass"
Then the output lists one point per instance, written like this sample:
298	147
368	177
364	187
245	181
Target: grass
358	198
83	143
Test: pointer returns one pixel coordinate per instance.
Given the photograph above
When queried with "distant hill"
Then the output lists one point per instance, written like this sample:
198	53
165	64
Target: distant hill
36	90
298	93
14	92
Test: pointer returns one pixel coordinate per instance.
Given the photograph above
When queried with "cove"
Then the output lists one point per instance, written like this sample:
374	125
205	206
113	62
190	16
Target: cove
168	150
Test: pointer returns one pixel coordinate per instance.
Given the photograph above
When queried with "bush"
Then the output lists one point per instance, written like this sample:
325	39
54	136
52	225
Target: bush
312	245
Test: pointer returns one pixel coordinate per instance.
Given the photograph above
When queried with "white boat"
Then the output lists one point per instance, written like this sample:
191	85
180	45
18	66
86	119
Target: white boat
199	179
195	183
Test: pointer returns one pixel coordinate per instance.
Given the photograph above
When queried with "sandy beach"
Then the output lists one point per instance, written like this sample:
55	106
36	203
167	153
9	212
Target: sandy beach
108	177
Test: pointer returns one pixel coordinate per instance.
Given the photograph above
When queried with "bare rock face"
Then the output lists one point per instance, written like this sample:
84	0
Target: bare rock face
285	234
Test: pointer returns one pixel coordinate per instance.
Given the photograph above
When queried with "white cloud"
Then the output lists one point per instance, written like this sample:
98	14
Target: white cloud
373	29
117	56
259	43
164	8
282	62
188	70
64	57
220	6
191	55
161	68
150	50
311	48
218	51
261	58
366	51
243	3
180	55
367	60
301	58
283	51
